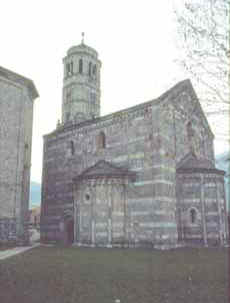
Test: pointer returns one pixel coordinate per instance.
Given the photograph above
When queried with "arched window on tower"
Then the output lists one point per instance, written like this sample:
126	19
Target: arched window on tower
94	70
68	96
71	67
193	216
101	144
80	66
90	69
67	69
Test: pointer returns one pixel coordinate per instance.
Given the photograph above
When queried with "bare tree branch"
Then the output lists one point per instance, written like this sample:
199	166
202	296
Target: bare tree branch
204	32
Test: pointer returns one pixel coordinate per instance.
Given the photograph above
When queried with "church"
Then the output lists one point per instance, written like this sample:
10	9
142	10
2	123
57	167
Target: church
141	177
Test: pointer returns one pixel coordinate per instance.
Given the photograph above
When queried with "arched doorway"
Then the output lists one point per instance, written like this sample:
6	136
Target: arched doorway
69	228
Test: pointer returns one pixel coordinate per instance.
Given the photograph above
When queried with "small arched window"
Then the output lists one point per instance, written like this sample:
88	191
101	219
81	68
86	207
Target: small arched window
90	69
71	67
72	150
67	69
101	141
193	215
80	66
94	70
190	131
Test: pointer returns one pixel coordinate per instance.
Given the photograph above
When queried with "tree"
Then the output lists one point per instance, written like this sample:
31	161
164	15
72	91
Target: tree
203	32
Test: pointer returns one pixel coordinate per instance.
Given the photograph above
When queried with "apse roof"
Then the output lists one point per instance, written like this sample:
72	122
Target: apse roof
190	163
105	169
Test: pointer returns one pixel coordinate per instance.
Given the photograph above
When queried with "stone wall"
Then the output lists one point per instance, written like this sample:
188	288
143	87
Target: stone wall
11	156
100	214
202	194
16	116
133	140
8	229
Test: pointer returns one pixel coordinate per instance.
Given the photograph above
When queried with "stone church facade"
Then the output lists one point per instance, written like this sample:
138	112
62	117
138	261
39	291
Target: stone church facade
17	95
143	176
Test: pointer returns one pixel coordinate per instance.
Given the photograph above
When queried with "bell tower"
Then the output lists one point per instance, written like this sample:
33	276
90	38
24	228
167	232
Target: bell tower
81	84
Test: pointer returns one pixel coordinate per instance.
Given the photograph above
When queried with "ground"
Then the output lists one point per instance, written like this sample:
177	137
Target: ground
66	275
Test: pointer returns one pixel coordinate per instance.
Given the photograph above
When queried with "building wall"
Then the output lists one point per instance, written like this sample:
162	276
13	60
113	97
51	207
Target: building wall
133	140
204	193
185	127
100	212
16	112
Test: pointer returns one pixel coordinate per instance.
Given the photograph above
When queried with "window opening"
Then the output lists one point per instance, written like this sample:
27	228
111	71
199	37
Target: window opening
101	143
72	148
190	131
193	215
90	69
80	66
94	70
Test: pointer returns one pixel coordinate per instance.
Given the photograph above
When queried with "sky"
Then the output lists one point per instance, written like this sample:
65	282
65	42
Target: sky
135	41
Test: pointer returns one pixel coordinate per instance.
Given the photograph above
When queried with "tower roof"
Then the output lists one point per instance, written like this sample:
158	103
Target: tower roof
82	48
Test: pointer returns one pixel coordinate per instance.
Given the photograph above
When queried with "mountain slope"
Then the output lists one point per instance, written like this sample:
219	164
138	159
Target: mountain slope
35	194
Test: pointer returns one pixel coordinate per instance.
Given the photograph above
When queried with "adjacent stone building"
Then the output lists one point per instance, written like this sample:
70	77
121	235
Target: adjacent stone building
17	95
143	176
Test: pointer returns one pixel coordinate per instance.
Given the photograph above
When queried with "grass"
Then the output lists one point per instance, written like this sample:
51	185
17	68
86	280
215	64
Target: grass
67	275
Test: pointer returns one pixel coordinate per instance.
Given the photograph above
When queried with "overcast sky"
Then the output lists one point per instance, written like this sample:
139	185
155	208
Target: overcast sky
135	41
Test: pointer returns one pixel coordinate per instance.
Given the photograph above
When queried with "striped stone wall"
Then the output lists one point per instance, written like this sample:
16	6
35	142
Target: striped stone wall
134	140
100	213
203	194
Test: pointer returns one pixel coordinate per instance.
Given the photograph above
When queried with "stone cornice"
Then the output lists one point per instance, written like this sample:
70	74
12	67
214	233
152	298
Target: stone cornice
18	79
200	170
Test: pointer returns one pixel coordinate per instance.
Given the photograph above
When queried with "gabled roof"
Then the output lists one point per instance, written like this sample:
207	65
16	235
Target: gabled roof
190	163
185	86
18	79
169	96
104	169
